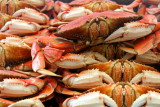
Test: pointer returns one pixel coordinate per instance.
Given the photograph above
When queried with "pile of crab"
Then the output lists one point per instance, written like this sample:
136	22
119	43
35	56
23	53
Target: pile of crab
86	53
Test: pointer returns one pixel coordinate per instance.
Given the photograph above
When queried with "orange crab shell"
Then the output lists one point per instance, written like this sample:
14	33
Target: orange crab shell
96	5
121	70
123	94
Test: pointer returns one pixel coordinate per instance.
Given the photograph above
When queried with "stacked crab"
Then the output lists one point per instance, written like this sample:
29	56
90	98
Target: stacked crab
67	57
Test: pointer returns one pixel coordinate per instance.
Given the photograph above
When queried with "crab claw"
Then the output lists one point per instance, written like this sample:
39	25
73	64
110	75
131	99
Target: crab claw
64	45
20	27
147	78
47	90
92	99
38	63
73	14
151	99
74	61
144	45
11	74
32	15
61	6
133	30
49	5
52	54
20	87
87	79
29	102
39	3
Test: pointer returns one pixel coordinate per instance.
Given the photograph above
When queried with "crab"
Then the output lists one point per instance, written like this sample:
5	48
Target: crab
120	94
121	70
111	72
96	26
77	45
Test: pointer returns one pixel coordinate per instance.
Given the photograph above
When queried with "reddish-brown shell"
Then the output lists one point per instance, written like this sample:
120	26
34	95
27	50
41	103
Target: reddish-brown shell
96	25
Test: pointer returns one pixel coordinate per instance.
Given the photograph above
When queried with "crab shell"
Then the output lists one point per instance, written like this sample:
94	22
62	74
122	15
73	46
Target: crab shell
123	94
13	53
96	26
96	5
121	70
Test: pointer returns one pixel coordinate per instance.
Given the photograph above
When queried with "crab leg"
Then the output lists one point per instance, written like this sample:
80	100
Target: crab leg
135	3
63	90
